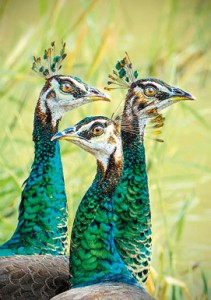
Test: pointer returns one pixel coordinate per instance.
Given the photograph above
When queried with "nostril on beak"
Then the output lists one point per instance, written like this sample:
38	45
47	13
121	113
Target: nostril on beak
178	91
94	92
69	131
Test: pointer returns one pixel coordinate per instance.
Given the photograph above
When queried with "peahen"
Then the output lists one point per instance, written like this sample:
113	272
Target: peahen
97	270
42	222
131	199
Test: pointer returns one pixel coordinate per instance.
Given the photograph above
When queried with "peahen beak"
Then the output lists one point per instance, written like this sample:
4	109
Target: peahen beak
67	134
94	95
178	95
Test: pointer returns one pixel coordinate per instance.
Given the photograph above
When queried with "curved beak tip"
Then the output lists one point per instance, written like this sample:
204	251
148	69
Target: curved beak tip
107	98
192	97
184	96
54	138
189	97
95	95
57	136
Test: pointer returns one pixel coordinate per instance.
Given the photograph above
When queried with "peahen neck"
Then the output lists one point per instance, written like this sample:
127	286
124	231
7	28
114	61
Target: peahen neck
42	221
93	254
131	199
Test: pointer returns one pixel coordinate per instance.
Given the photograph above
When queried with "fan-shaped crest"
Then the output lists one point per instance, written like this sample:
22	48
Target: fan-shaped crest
123	75
50	64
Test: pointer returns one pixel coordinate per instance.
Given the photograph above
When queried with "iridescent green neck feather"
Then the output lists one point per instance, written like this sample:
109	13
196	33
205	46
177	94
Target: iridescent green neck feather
145	98
42	226
93	255
131	200
42	222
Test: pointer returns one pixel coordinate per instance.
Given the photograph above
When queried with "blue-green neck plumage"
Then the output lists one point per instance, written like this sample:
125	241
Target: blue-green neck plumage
93	254
131	200
42	221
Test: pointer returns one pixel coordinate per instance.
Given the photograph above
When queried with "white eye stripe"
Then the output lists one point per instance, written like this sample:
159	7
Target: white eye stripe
150	82
75	82
159	85
153	84
88	126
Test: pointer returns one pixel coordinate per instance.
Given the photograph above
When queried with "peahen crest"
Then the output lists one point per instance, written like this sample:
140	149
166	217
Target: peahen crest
123	75
51	63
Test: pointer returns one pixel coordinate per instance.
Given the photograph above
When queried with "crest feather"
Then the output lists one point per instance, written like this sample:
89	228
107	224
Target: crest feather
50	64
123	75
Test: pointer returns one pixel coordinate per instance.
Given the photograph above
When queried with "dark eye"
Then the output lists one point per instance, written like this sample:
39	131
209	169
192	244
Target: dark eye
66	87
98	130
150	91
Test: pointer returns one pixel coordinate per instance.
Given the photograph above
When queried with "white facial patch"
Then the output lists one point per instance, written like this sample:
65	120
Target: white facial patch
105	148
63	102
59	94
42	101
100	146
137	89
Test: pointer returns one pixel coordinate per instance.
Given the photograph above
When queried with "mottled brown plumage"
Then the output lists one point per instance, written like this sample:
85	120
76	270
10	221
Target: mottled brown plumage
105	291
37	277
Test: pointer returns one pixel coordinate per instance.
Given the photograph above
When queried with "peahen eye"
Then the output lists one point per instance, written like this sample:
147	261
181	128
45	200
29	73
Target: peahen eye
150	91
98	130
66	87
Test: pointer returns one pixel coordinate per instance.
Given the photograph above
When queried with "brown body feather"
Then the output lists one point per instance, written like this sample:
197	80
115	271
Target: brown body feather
105	291
33	277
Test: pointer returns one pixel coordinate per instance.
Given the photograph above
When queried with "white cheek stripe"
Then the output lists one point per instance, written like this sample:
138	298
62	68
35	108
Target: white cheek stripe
55	83
43	100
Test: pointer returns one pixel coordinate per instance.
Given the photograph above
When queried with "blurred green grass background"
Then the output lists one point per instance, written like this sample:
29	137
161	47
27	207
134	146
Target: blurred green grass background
167	39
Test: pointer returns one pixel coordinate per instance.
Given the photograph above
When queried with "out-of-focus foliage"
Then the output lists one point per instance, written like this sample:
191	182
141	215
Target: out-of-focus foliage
165	39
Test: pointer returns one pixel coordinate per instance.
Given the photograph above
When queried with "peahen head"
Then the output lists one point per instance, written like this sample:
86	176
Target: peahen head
145	99
146	92
61	93
64	93
97	135
151	92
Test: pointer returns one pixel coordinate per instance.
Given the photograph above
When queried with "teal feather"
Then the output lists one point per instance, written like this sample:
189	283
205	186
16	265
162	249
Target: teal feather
133	238
131	198
42	226
93	254
42	222
132	206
